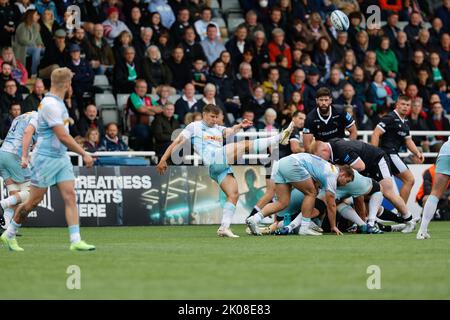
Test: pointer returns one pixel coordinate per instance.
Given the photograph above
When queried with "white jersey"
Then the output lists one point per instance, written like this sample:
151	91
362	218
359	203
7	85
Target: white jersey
206	140
52	112
14	139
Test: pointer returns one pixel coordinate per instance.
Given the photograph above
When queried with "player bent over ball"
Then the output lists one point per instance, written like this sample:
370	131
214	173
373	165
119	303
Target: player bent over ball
207	137
50	164
301	171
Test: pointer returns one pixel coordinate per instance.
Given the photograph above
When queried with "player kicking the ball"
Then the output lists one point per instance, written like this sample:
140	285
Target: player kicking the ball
13	164
50	163
207	138
440	185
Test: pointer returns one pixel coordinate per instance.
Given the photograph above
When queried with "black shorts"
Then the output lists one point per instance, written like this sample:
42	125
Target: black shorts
379	170
397	164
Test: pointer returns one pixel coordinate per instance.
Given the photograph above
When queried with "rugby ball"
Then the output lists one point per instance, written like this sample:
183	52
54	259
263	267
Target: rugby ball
339	20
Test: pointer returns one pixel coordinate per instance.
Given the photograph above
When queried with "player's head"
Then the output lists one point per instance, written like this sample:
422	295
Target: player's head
323	99
211	114
345	176
61	79
320	149
403	105
299	118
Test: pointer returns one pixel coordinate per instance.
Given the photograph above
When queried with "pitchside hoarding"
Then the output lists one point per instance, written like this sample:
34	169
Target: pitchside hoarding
139	196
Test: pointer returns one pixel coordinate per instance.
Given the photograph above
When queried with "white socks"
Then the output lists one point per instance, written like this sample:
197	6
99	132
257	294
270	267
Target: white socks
258	217
262	144
374	203
305	222
349	213
9	202
12	229
428	212
295	223
228	213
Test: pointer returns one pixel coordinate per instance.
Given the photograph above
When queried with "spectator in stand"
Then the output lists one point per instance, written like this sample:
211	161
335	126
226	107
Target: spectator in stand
9	18
278	46
341	45
268	122
5	75
140	111
187	102
435	64
24	5
123	41
413	27
179	26
391	28
349	99
18	72
143	42
297	100
33	100
324	56
386	59
296	85
209	97
14	112
42	5
238	44
370	64
165	11
380	97
202	25
225	57
402	84
83	75
112	141
418	62
199	73
164	92
90	120
9	96
443	12
79	38
55	56
348	64
257	102
244	84
423	42
92	140
359	84
156	71
135	23
444	47
252	24
48	27
157	26
100	53
126	71
191	117
113	26
312	85
250	116
285	72
163	127
192	49
424	84
403	51
164	45
418	122
316	28
275	21
272	84
361	46
437	121
436	30
262	59
195	8
212	45
28	40
180	68
335	83
276	102
444	96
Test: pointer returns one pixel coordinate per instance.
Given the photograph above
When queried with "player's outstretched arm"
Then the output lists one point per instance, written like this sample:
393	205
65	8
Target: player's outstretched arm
413	148
72	145
235	129
377	133
26	142
331	209
162	165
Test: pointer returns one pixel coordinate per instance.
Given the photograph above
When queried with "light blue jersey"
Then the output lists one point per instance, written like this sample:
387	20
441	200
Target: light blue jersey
302	166
14	139
358	187
207	141
445	149
443	160
52	112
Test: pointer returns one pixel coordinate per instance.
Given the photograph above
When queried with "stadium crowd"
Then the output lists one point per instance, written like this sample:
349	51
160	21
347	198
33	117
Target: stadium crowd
263	70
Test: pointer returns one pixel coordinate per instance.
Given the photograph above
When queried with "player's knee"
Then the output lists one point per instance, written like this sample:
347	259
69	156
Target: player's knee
233	196
69	197
409	180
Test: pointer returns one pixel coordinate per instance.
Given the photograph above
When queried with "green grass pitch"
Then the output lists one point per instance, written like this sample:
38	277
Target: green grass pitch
191	262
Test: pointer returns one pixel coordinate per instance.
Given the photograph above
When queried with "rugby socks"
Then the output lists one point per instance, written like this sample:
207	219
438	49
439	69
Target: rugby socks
258	217
262	144
74	232
374	203
9	202
255	210
228	213
428	212
305	222
12	230
347	212
295	223
8	214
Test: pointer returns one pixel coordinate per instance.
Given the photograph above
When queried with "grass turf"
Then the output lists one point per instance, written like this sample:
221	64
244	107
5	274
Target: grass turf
190	262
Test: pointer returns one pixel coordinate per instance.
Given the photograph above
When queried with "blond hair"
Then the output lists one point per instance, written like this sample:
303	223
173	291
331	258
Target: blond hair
60	77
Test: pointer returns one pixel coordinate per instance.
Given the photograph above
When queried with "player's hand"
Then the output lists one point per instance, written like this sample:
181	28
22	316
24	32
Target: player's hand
161	167
420	157
246	123
337	231
88	160
24	162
